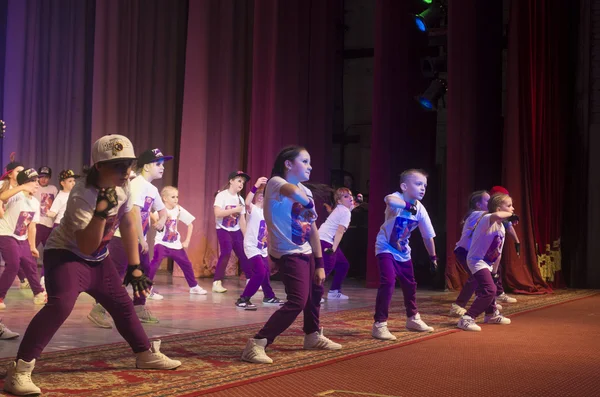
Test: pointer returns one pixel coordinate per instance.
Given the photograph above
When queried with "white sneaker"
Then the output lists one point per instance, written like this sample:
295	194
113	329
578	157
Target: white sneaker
218	287
381	331
145	315
336	294
2	304
40	299
415	323
24	284
154	359
457	311
318	341
99	317
155	295
43	282
254	352
467	323
198	290
6	333
496	318
505	298
18	379
322	300
498	306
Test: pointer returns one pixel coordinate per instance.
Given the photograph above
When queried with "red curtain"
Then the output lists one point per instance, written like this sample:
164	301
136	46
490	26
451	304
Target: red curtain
403	135
214	124
294	50
474	124
533	151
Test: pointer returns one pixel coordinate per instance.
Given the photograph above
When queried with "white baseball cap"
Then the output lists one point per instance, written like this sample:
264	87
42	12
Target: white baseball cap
111	148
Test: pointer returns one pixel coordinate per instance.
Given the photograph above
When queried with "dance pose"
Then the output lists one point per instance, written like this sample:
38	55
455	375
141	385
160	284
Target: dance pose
17	235
229	208
483	260
77	260
295	247
255	248
168	244
404	213
331	233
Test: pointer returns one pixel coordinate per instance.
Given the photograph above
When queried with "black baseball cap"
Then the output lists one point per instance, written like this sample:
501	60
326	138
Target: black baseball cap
26	176
152	156
66	174
45	171
10	167
235	174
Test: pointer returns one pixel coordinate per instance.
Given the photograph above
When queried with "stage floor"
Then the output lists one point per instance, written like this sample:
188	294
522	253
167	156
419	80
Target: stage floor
178	313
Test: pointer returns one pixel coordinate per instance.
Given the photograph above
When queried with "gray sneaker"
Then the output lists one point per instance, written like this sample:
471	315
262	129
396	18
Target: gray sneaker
99	317
145	315
6	333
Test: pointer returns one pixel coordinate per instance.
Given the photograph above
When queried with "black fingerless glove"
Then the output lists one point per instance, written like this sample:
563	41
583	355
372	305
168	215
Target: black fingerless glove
513	218
109	195
411	208
433	264
518	248
328	251
139	284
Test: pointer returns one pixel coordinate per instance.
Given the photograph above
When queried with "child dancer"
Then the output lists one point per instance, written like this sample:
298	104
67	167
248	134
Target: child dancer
331	233
483	259
145	198
500	294
255	248
294	245
77	260
8	181
167	243
231	226
17	235
403	213
67	182
478	202
45	195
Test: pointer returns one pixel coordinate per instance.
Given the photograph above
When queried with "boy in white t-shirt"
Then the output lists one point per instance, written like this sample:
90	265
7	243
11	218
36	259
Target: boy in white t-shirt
483	260
145	198
331	233
168	244
404	213
17	235
67	182
46	195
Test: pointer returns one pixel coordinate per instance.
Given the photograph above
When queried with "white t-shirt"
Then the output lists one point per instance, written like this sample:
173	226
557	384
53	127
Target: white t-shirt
468	229
21	209
170	237
79	213
289	227
340	216
394	235
227	201
46	196
255	239
486	245
59	206
146	196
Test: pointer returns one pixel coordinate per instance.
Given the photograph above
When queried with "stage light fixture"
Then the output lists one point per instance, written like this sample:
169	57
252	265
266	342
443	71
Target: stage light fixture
431	17
432	94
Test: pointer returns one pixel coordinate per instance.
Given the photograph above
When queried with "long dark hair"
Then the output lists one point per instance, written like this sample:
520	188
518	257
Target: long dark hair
474	198
287	153
91	175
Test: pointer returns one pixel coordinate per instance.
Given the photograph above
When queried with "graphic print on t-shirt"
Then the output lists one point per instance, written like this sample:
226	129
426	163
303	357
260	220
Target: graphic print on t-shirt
110	228
401	232
493	252
170	231
231	220
301	222
145	213
46	200
262	235
25	218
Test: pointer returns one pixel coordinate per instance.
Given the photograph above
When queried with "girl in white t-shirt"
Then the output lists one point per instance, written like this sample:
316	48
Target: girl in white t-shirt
77	260
167	242
403	214
255	248
17	235
294	246
483	260
331	233
229	208
478	202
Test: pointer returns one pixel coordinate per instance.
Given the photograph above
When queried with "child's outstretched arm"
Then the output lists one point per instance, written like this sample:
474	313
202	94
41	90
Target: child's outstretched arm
513	233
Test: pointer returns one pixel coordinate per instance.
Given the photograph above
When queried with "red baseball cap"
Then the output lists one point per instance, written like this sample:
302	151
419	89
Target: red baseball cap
498	189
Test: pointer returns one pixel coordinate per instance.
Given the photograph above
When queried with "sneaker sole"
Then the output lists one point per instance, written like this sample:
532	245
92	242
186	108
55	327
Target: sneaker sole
386	339
420	330
219	292
469	330
12	337
248	309
97	324
248	360
148	321
159	369
199	293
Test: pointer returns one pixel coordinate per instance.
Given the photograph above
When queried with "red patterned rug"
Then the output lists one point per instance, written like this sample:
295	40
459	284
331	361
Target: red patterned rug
211	359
